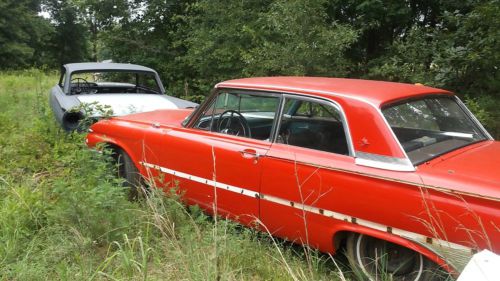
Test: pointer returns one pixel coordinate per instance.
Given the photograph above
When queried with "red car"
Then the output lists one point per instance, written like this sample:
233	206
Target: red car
403	176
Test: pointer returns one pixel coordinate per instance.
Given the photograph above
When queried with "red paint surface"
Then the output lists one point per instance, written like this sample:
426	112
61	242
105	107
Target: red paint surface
455	197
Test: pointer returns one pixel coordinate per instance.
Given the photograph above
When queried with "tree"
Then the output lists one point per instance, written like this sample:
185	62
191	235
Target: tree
69	42
252	38
157	32
295	37
221	35
99	15
459	53
21	33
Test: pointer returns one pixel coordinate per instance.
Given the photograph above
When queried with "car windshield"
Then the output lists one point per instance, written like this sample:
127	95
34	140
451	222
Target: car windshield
110	82
431	126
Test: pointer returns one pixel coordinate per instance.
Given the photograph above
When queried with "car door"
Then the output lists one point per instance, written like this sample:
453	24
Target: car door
216	162
296	181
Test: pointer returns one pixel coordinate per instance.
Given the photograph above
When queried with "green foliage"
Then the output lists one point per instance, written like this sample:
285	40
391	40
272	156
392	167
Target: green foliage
295	38
459	54
485	108
156	31
43	204
90	109
99	15
219	39
195	44
69	42
22	34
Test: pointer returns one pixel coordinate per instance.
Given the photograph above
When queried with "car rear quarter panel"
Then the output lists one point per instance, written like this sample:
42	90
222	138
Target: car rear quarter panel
464	191
320	194
369	131
56	95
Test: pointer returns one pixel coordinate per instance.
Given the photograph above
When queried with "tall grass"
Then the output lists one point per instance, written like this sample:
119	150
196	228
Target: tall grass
64	215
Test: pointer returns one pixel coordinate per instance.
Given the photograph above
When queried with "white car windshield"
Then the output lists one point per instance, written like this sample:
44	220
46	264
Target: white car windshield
431	126
113	82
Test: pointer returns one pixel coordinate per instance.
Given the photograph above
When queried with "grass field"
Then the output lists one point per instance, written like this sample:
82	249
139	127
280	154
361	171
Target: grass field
64	215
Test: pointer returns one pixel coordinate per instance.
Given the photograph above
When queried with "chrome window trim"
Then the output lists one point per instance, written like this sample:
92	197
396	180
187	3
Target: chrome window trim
473	118
195	115
408	165
327	102
281	109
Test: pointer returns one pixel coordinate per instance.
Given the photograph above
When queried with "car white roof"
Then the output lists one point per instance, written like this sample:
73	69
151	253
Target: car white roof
105	66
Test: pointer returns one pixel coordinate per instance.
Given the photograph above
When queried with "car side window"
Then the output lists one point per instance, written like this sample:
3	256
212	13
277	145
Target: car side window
62	78
312	124
240	114
204	122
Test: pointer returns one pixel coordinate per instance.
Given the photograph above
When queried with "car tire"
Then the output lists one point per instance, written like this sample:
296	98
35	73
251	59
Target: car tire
376	259
129	172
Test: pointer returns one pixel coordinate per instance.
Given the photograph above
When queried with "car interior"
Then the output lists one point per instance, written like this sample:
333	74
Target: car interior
304	123
314	133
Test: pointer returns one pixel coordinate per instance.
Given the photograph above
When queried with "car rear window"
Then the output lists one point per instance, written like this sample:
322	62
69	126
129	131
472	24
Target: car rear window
431	126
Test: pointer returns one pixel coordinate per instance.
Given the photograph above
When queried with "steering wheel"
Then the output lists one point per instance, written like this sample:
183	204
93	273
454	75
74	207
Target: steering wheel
232	122
82	85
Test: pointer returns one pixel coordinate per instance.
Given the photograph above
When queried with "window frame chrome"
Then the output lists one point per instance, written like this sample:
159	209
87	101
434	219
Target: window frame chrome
323	101
473	118
213	99
405	164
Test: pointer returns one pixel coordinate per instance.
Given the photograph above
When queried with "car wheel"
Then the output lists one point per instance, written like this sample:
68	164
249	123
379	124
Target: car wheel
377	259
129	172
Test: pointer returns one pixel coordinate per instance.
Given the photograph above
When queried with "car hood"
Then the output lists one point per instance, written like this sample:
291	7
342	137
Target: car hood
126	103
471	170
168	117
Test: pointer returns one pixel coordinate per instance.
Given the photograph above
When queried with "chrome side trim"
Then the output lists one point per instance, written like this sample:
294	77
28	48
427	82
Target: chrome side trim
383	162
442	248
208	182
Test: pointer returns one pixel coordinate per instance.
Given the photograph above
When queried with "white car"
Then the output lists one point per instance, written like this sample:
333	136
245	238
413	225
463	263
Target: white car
116	89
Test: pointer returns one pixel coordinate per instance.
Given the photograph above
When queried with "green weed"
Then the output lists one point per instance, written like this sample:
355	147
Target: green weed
65	216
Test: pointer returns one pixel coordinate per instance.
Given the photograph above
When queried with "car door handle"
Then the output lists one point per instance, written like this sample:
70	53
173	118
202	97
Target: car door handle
249	154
